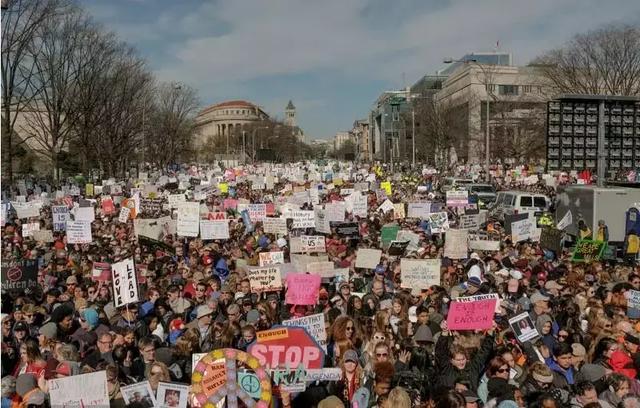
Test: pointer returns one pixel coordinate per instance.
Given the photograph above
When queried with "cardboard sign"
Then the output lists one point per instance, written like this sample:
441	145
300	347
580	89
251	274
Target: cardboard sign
302	289
523	327
84	390
42	236
474	315
275	225
218	229
484	245
19	275
368	258
456	245
124	214
469	222
271	258
79	232
588	250
419	273
101	271
188	219
290	347
312	243
125	283
314	325
265	279
522	230
303	219
29	228
551	239
438	222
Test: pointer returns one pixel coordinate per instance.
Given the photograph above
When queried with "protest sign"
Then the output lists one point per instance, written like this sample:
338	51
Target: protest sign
257	212
84	390
218	229
155	229
469	222
419	273
566	221
86	214
271	258
457	198
522	230
419	210
188	224
397	248
412	237
386	187
88	190
172	395
124	215
79	232
302	289
26	210
217	216
389	233
275	225
322	222
290	347
265	279
587	250
324	269
368	258
633	304
438	222
398	211
29	228
474	315
511	218
386	206
551	239
139	394
523	327
455	244
358	204
230	204
101	272
303	219
350	230
335	211
249	383
125	283
108	207
300	261
42	235
176	199
315	326
483	245
312	243
19	275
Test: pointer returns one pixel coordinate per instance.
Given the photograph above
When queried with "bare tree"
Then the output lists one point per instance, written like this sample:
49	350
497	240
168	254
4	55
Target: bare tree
172	124
602	61
20	22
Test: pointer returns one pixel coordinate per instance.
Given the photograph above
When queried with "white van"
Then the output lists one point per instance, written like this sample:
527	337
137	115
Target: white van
518	202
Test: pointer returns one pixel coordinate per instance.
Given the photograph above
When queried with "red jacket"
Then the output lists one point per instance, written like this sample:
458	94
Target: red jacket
622	363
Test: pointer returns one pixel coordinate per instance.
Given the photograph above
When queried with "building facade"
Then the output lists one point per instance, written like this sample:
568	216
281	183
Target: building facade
389	137
360	135
226	119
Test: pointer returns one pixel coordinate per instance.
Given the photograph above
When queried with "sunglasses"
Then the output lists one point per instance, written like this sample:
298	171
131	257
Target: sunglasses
503	370
382	354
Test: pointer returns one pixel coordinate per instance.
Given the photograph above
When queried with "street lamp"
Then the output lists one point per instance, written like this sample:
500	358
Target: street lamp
487	136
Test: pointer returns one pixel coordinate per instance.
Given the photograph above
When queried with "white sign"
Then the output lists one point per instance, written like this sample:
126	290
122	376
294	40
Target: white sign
522	230
566	220
60	217
484	245
26	210
265	279
324	269
124	214
419	273
188	219
456	244
457	198
386	206
368	258
30	228
84	390
315	326
87	214
335	211
43	235
419	210
79	232
322	222
470	221
358	204
312	243
125	283
271	258
176	199
303	219
257	212
275	225
214	229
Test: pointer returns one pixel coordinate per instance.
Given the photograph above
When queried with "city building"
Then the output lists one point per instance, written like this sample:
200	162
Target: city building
290	120
340	139
226	119
388	134
513	94
360	134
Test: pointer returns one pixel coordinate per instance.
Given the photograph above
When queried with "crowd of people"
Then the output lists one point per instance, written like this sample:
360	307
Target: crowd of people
196	297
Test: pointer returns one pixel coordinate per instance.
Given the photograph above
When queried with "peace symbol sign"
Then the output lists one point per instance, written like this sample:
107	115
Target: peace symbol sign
215	377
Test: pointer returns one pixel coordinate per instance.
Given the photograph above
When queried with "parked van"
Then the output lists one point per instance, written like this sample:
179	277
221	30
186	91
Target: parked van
518	202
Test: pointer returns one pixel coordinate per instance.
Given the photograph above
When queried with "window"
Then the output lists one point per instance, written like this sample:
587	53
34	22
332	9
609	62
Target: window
526	201
507	199
527	89
508	89
490	88
539	202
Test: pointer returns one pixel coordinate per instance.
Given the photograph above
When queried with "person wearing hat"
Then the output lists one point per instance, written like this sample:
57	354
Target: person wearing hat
352	377
33	318
204	318
539	379
27	389
625	359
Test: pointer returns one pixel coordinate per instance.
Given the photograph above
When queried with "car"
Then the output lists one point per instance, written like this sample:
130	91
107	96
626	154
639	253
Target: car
451	183
486	193
518	202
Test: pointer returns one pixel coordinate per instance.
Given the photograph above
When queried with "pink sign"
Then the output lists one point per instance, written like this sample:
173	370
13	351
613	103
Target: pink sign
230	203
474	315
302	289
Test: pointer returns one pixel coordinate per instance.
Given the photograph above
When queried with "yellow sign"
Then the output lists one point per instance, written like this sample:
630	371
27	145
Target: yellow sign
273	334
386	186
338	182
88	190
223	187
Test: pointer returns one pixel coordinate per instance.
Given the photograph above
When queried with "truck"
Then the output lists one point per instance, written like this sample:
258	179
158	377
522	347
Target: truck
591	204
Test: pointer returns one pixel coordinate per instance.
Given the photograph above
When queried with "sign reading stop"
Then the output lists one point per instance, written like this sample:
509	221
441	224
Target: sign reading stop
287	347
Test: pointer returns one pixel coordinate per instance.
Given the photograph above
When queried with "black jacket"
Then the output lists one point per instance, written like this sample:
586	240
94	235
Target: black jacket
448	374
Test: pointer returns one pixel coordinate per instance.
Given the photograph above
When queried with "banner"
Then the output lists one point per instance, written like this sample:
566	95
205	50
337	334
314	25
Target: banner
275	225
315	326
19	275
188	219
419	273
265	279
474	315
271	258
84	390
125	283
302	289
456	245
218	229
588	250
79	232
368	258
60	217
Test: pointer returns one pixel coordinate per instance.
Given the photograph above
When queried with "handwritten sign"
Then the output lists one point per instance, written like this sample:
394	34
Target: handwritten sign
455	244
522	230
188	219
84	390
302	289
474	315
125	283
218	229
29	228
79	232
419	273
60	217
588	250
271	258
368	258
312	243
315	326
176	199
470	221
303	219
551	239
265	279
124	214
275	225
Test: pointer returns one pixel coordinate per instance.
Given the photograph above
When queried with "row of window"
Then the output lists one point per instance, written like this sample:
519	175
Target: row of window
233	112
512	90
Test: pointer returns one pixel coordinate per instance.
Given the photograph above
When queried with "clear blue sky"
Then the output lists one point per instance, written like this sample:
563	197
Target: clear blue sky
334	57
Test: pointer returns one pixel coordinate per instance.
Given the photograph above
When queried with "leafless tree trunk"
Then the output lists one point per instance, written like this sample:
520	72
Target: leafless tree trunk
603	61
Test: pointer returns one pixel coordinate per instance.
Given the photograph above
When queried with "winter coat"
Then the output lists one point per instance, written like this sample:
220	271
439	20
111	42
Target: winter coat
471	372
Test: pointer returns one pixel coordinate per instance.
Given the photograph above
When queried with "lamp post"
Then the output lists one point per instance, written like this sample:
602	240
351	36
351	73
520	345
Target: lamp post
487	135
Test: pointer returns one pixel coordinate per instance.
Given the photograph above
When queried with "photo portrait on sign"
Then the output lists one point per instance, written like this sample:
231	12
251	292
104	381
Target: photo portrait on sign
171	395
138	395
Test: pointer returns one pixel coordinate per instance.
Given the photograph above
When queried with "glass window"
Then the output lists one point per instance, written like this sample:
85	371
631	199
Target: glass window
526	201
508	89
507	199
539	202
